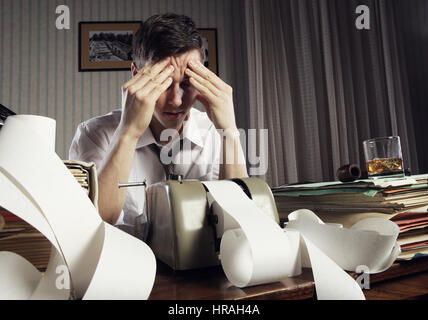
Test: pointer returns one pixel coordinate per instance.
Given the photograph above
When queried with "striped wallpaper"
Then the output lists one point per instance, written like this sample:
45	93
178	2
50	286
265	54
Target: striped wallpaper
39	64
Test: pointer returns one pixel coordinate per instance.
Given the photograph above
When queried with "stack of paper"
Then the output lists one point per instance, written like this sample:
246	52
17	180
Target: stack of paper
86	175
18	236
413	237
402	200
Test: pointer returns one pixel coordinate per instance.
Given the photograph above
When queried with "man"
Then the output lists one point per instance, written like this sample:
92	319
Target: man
167	78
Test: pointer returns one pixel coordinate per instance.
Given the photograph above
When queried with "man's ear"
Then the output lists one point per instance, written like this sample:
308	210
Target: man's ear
134	69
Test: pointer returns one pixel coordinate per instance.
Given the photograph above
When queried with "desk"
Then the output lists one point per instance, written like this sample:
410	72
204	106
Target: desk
405	280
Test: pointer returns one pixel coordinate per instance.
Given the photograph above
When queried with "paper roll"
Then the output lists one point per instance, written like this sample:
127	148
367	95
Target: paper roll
19	278
44	128
103	262
371	242
255	250
253	242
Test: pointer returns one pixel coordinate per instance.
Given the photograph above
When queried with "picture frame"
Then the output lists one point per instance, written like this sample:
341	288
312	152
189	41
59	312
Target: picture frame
209	42
106	45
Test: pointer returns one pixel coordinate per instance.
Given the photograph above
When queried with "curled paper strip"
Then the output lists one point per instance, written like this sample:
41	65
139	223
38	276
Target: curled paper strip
252	243
102	261
370	242
255	250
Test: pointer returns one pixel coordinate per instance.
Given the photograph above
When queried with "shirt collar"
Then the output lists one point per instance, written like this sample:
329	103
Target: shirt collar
146	139
190	132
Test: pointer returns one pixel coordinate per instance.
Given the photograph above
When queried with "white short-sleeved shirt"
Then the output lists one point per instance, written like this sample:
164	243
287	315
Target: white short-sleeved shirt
199	157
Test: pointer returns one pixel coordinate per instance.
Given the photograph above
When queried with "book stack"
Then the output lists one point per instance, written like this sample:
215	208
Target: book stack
401	200
19	237
86	176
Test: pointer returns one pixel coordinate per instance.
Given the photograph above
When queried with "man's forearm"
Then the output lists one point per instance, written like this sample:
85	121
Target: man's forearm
115	170
233	162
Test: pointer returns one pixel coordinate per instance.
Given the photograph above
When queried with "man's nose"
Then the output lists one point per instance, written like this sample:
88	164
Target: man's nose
175	95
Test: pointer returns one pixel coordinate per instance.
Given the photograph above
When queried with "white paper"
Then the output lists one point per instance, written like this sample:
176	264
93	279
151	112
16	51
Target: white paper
58	207
19	278
246	253
54	283
331	282
255	250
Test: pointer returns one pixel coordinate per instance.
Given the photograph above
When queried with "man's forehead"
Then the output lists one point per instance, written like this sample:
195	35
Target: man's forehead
180	62
181	59
185	57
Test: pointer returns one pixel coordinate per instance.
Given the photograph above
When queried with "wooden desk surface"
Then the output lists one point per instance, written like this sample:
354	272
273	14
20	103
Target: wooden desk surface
405	280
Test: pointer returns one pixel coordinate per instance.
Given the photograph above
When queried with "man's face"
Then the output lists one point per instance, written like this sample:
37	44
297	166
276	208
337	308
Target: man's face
173	106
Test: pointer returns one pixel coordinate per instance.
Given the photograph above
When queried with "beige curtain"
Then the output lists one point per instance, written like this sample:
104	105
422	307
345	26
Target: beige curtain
321	87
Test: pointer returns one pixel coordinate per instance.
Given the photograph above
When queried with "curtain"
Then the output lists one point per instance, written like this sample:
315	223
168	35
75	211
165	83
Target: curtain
321	87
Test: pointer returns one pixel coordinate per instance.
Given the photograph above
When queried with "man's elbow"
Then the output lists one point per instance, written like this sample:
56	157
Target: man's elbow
109	214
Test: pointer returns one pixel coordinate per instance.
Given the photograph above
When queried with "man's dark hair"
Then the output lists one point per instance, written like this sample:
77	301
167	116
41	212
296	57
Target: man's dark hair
165	35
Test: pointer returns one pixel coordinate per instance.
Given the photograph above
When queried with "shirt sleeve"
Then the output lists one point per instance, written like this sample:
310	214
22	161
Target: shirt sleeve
86	147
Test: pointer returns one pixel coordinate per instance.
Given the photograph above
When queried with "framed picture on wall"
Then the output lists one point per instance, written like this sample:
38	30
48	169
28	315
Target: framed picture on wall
209	41
106	46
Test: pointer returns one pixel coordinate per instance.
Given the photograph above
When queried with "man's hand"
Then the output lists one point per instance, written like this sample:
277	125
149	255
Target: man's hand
215	95
139	100
140	95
